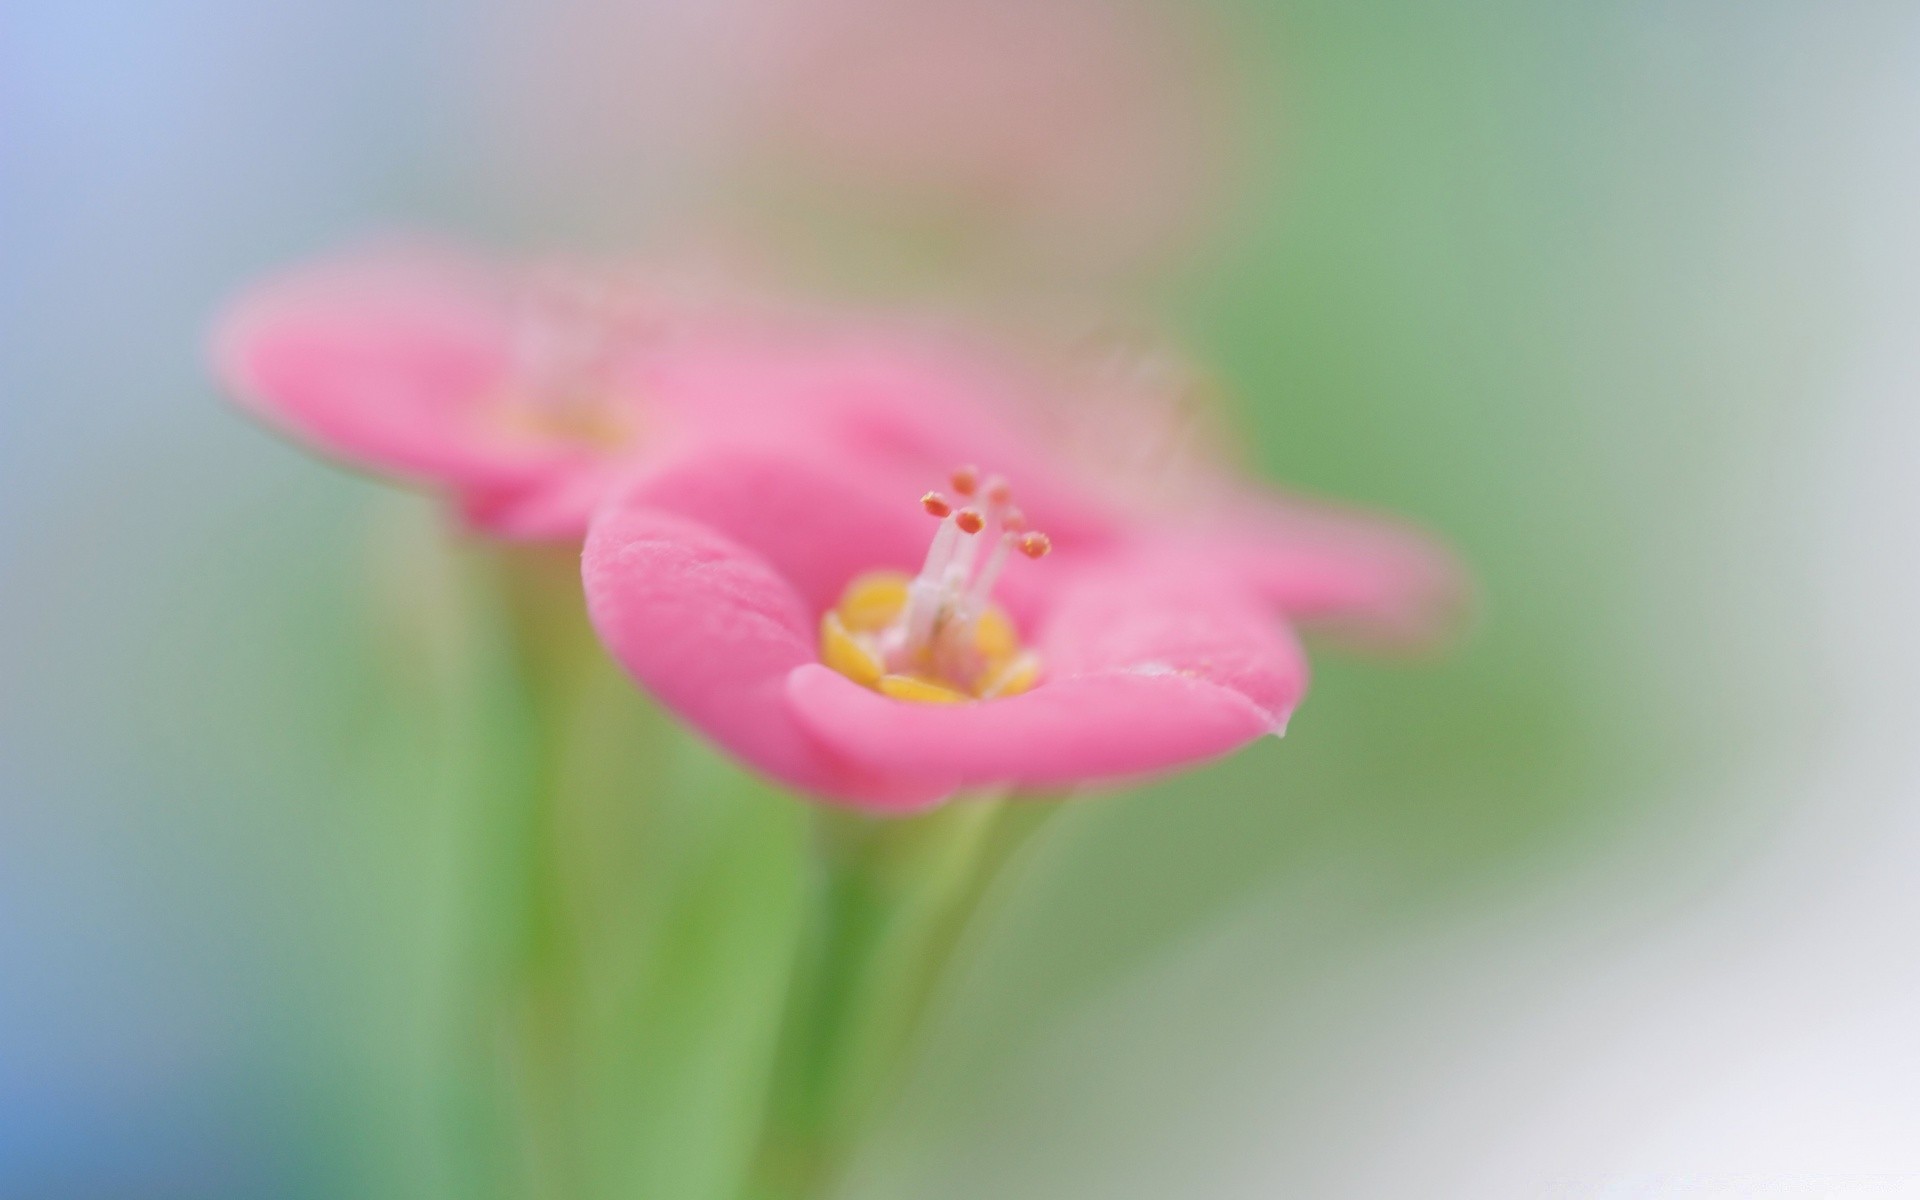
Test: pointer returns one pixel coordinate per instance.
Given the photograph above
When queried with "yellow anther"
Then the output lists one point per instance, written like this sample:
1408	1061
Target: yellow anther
846	653
1016	677
994	636
872	601
919	689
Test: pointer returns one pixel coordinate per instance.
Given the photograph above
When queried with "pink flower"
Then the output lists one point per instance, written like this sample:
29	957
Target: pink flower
521	393
791	601
769	595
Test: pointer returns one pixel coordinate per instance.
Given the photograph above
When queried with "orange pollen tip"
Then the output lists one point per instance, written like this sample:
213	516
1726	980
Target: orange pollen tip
969	521
935	504
1035	544
1013	520
999	491
966	480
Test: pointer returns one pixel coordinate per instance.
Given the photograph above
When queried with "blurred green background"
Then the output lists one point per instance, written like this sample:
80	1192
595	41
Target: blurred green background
1619	298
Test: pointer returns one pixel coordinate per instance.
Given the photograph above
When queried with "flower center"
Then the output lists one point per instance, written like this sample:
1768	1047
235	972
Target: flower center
938	637
571	331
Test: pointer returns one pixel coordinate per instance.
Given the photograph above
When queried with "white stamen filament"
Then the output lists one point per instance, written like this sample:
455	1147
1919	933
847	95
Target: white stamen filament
960	566
975	600
937	628
941	551
925	598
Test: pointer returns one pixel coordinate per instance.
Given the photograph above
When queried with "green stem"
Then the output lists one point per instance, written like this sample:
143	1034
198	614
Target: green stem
629	912
895	898
509	1091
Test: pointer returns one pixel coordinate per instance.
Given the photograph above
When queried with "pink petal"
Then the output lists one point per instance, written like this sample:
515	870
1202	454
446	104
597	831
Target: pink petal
937	406
904	405
556	508
1092	728
1143	674
1144	612
814	519
711	629
1375	577
381	358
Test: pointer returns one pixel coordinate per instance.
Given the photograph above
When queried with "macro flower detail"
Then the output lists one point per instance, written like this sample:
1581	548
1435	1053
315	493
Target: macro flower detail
738	584
938	637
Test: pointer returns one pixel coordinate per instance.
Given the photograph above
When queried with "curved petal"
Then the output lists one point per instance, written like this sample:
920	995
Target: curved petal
1148	613
815	519
1376	577
381	359
1103	727
554	508
937	406
710	628
898	402
1142	675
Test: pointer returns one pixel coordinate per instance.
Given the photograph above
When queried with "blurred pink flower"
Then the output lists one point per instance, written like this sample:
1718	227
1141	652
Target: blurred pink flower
1143	431
1092	133
520	392
768	593
1063	138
